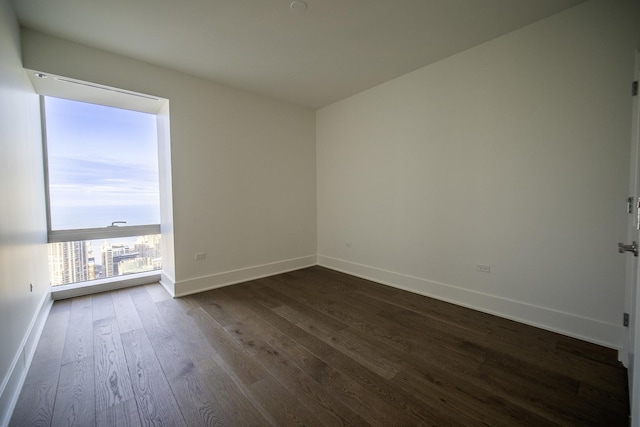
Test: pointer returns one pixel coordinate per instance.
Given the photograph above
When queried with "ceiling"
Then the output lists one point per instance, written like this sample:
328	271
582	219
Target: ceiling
333	49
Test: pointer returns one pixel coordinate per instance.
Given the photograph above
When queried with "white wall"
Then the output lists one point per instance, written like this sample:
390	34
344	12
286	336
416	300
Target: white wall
512	154
166	198
23	234
242	166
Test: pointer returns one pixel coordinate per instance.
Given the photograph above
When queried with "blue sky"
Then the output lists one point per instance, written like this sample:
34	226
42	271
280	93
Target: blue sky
103	165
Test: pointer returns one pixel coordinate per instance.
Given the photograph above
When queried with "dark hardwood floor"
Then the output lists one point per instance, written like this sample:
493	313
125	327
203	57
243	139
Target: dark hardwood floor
312	347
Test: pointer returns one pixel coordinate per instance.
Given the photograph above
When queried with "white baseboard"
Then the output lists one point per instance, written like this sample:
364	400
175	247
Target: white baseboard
168	283
14	380
205	283
591	330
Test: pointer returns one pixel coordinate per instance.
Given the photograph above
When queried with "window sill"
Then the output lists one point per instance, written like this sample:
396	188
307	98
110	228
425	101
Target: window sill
103	285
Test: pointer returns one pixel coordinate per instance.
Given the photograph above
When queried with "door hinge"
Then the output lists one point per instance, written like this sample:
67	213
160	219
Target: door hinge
625	319
630	205
634	88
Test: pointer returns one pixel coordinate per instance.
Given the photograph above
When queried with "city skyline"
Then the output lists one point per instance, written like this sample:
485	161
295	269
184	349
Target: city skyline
83	261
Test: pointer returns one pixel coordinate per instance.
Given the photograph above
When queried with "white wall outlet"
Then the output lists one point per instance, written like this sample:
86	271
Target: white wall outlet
483	268
200	256
347	244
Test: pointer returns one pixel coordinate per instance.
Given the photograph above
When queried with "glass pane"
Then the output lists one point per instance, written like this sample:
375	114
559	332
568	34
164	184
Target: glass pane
83	261
103	165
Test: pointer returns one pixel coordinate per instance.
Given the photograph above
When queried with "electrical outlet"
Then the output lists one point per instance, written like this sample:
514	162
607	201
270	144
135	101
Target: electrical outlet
200	256
483	268
347	245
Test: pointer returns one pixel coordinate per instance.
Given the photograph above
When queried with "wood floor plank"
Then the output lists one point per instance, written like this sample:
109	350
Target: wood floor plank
75	395
330	277
391	335
126	314
541	356
184	329
79	338
282	405
102	305
538	354
112	381
157	292
197	404
305	389
229	353
596	396
124	414
482	323
211	306
209	398
227	373
148	313
156	404
309	347
539	396
237	402
284	300
361	351
179	354
343	375
353	395
318	399
450	393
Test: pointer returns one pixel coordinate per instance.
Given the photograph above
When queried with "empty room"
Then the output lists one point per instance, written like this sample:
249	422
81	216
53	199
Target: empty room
319	212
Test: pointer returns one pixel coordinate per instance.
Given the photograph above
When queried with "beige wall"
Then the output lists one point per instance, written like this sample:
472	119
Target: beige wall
512	154
242	166
23	230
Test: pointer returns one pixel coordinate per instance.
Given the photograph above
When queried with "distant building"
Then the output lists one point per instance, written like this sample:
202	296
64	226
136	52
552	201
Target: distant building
68	262
107	260
136	265
118	259
91	263
148	246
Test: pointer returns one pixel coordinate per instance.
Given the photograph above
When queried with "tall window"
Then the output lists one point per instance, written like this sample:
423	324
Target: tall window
103	191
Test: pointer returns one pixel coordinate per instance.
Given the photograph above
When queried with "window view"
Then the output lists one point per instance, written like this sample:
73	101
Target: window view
81	261
103	191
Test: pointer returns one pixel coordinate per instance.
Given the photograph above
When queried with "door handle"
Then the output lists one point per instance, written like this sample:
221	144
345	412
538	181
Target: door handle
633	247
